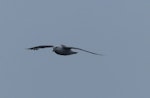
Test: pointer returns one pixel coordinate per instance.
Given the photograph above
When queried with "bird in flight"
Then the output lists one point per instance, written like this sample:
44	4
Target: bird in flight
62	50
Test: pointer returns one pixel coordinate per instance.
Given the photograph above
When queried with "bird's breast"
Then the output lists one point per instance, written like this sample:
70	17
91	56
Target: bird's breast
62	51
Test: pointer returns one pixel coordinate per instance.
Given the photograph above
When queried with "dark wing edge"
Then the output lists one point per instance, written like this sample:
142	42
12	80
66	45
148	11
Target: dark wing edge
40	47
85	51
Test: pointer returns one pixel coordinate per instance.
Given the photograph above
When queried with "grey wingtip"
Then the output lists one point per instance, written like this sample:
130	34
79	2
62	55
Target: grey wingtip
31	49
28	49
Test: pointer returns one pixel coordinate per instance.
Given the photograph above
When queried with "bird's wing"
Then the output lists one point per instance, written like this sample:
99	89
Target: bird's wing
39	47
83	50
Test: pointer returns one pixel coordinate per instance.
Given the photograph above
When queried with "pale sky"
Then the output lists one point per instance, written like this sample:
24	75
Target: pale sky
118	29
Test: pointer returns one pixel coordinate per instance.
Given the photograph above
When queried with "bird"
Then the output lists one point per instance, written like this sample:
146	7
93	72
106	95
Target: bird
62	49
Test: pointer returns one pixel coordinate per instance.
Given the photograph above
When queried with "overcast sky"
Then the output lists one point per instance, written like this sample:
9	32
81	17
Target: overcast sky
119	29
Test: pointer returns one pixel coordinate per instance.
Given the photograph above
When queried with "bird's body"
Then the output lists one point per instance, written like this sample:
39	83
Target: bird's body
61	50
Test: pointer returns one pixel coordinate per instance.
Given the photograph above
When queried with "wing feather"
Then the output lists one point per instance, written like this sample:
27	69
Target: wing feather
40	47
83	50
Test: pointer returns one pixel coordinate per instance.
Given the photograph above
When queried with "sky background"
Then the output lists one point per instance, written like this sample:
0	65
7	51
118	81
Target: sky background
120	29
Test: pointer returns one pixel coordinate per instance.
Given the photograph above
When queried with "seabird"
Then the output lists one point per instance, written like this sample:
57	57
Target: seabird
62	50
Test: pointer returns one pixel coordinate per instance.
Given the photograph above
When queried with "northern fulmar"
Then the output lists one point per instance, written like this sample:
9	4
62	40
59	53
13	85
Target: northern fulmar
62	50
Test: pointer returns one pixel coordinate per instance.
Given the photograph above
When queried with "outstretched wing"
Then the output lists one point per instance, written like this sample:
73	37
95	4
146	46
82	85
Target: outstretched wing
40	47
82	50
